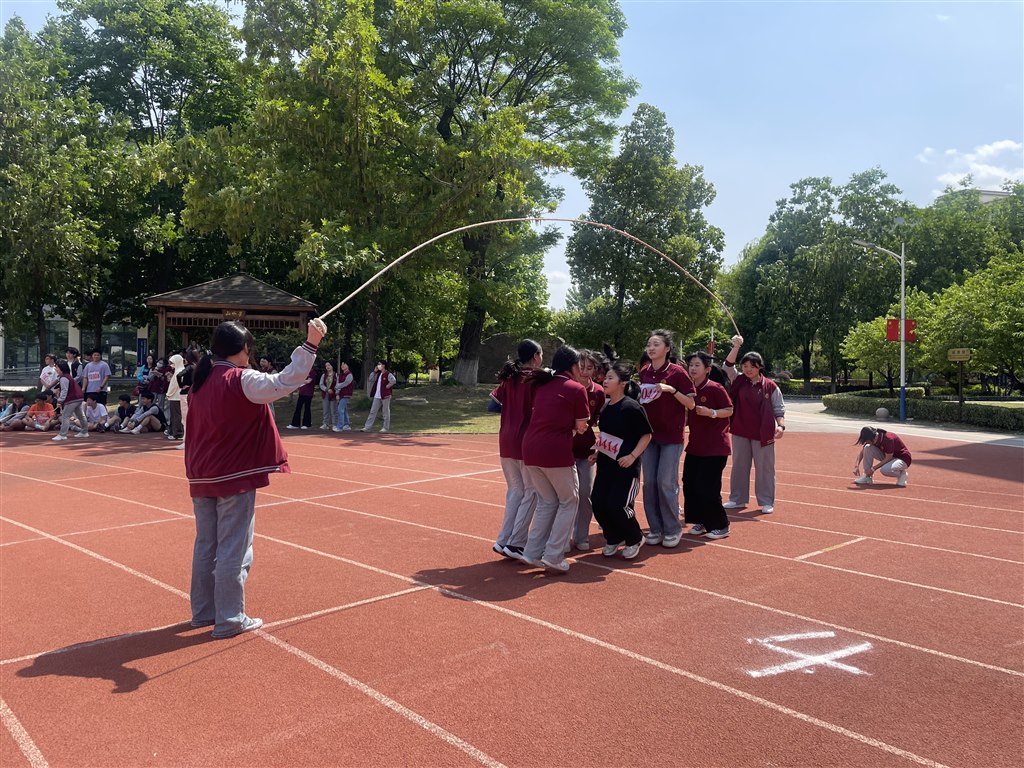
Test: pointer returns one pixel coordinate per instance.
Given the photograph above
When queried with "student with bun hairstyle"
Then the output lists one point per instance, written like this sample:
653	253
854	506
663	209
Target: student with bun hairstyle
232	448
666	393
625	435
559	410
514	394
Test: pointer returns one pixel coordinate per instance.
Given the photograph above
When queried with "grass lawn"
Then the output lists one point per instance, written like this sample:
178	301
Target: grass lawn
447	409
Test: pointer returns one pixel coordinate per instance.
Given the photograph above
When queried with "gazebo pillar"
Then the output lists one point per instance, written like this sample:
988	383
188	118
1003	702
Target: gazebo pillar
161	332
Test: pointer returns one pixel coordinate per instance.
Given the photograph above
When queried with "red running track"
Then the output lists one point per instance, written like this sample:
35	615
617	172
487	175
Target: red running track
871	627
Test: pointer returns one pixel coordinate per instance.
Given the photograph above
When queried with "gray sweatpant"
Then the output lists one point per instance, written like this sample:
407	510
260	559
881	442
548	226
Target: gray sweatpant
585	509
558	493
745	450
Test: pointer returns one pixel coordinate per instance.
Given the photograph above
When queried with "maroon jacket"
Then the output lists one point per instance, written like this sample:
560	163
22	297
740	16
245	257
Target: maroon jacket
766	414
385	387
240	445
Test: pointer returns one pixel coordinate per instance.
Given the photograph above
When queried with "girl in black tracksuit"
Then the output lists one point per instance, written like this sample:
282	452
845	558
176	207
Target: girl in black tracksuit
625	434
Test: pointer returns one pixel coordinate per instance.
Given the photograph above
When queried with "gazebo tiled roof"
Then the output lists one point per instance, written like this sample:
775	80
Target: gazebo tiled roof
239	289
261	306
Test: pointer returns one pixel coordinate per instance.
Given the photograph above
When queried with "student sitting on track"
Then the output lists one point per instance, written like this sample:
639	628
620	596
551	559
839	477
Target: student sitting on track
888	450
119	418
14	410
38	417
147	417
95	414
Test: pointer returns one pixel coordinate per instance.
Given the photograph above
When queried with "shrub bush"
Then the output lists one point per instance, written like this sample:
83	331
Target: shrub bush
975	414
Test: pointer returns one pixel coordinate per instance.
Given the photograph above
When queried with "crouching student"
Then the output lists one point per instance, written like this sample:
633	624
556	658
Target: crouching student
881	451
147	417
625	435
559	410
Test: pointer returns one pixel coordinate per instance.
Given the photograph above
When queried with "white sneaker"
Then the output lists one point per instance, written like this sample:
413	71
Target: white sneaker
901	482
698	530
734	505
631	552
671	541
653	538
303	427
58	438
40	427
81	434
180	447
718	533
562	566
324	426
291	426
767	509
335	429
365	429
583	546
137	430
346	429
863	480
610	550
383	431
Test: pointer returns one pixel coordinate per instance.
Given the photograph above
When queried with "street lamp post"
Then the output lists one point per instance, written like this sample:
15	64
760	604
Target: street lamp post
901	259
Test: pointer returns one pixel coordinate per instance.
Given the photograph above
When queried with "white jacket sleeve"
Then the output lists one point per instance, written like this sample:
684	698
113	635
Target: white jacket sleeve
262	387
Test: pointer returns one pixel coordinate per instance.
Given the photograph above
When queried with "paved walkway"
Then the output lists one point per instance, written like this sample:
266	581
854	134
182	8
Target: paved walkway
811	416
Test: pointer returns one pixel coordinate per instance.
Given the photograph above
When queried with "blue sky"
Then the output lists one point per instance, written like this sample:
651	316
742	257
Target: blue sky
764	93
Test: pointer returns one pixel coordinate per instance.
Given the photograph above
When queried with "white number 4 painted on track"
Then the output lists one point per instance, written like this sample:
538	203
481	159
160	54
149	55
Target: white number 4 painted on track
806	662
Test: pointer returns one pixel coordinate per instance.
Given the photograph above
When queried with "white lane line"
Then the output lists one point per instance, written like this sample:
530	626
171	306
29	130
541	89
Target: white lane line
377	696
414	717
96	530
867	490
21	738
93	477
829	549
98	556
972	526
764	521
916	485
278	623
629	573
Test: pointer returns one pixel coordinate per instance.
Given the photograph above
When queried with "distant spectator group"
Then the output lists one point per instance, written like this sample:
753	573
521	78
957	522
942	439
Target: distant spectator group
73	398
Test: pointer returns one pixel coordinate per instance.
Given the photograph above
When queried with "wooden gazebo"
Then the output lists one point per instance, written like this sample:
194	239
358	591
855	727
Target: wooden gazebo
240	296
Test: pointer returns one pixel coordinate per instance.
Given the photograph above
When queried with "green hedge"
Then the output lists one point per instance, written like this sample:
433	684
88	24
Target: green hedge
912	392
975	414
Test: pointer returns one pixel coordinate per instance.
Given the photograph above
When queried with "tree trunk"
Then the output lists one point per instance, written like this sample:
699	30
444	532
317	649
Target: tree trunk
372	334
467	362
805	359
41	335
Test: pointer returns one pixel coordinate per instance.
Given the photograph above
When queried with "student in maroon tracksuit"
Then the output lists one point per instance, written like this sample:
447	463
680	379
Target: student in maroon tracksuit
887	449
71	401
233	447
514	394
302	418
582	447
707	451
559	409
666	394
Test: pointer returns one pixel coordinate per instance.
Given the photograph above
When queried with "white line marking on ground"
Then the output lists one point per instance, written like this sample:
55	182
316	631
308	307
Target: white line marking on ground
96	530
806	661
846	478
21	738
972	526
446	736
829	549
902	498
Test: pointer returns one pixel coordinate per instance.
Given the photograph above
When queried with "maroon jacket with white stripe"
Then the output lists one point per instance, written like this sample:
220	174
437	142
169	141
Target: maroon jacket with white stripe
233	444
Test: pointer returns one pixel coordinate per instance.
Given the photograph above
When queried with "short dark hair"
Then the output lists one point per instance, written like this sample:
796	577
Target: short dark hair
73	350
754	358
146	394
42	396
704	358
18	394
97	350
125	398
91	396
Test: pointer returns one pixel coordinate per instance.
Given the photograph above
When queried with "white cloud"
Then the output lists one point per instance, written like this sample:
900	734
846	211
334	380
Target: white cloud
925	155
989	165
557	277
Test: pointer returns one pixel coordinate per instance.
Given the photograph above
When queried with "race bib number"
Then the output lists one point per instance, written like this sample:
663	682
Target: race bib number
94	375
649	393
609	445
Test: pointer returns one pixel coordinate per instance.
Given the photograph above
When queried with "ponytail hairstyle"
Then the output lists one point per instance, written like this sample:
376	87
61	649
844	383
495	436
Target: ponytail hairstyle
562	361
624	371
666	336
525	352
229	338
868	435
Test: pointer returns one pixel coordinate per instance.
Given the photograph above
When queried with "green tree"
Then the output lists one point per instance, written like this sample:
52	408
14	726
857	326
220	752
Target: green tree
623	289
